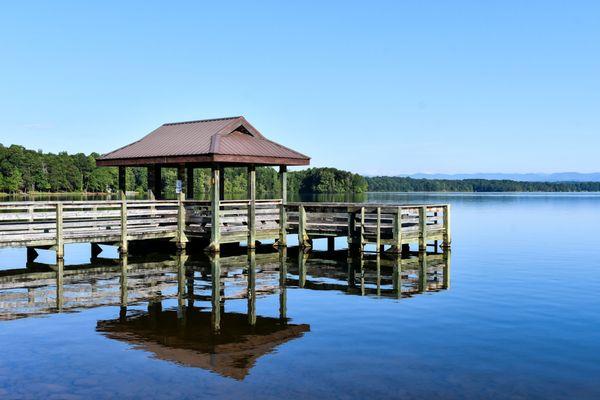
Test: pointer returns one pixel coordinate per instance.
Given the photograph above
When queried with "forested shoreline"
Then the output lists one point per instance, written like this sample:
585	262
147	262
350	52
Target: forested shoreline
29	171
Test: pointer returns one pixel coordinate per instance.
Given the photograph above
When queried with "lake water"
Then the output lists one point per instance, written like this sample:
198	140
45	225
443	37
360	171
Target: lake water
512	313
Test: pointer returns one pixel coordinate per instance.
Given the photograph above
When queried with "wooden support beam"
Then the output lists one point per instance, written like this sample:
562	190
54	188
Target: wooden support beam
157	189
378	233
378	272
251	288
123	247
447	233
282	213
215	230
222	183
251	207
422	228
351	229
151	178
362	229
181	238
181	177
60	245
303	239
189	190
122	179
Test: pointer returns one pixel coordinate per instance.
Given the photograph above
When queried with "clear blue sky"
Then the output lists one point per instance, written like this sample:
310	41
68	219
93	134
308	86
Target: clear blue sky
373	87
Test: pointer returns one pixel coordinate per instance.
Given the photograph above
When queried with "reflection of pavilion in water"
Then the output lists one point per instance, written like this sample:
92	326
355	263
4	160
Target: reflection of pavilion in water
193	334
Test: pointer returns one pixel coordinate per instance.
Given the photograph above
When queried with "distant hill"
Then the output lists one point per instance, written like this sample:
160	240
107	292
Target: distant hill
528	177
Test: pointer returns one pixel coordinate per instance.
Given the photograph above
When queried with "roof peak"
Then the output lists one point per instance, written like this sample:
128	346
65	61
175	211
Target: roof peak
201	120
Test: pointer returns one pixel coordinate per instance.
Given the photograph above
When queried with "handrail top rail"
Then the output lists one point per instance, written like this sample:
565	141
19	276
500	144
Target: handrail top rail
370	205
82	202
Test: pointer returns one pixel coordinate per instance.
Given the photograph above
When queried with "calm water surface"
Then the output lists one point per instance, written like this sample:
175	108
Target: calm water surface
513	312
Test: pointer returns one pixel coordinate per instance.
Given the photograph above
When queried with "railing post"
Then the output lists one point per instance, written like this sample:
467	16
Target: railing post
251	216
123	248
302	235
282	211
447	235
423	228
378	233
60	245
215	230
181	238
397	231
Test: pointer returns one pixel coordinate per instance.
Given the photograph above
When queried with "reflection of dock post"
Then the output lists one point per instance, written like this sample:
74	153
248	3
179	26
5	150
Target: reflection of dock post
60	267
331	243
282	284
181	258
447	255
95	251
32	254
302	268
378	271
397	276
361	264
251	288
123	283
215	272
422	271
351	260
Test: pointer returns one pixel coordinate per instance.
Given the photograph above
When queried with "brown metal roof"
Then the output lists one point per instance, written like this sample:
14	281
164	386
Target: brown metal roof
224	140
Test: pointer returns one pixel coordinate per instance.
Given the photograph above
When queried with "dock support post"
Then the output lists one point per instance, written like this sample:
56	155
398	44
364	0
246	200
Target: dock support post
447	235
123	248
397	231
157	182
215	230
151	179
60	245
447	256
181	238
282	212
362	229
351	230
378	233
181	177
222	183
302	256
251	288
303	240
422	228
251	207
122	179
331	243
189	191
397	276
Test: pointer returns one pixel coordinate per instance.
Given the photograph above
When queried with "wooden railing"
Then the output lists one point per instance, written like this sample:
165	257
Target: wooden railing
56	223
370	223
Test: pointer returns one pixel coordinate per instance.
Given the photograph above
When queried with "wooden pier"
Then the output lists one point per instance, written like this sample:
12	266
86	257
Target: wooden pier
51	225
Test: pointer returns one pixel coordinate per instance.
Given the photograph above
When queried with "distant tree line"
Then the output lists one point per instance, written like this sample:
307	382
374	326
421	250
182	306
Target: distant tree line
405	184
27	171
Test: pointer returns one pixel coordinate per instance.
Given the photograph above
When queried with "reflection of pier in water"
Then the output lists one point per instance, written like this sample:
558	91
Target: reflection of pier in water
190	332
41	289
